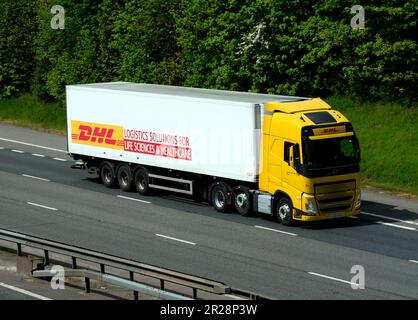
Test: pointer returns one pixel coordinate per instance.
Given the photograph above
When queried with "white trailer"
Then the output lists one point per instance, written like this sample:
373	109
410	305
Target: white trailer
178	139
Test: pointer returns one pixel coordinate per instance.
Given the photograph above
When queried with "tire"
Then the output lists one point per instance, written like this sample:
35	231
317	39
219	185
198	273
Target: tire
242	201
141	180
107	174
124	177
219	198
284	212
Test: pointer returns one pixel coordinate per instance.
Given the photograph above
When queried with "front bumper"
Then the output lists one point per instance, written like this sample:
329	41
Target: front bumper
302	216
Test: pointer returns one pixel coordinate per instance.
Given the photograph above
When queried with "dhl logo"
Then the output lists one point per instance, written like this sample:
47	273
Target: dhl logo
329	130
95	134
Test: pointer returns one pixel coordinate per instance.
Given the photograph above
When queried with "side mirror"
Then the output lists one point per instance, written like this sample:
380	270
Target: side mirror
294	157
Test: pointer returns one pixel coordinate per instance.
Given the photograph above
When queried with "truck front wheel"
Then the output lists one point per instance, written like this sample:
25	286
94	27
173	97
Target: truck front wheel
142	181
284	212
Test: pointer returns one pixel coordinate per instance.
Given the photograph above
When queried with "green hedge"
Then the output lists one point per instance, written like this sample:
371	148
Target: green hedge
288	47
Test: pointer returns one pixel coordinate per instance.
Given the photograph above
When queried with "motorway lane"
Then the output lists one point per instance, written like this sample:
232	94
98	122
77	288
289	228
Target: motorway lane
228	247
346	232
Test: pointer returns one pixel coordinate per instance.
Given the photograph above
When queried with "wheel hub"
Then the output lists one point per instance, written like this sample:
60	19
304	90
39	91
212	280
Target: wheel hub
124	179
242	200
284	212
220	199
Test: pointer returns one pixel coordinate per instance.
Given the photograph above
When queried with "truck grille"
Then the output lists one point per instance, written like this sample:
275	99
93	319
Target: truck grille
335	197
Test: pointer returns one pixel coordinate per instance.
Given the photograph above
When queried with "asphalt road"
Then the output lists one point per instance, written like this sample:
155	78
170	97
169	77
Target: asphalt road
40	195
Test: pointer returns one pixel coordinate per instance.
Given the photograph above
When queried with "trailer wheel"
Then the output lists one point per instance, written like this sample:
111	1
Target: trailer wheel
107	174
242	201
219	198
284	211
125	177
142	181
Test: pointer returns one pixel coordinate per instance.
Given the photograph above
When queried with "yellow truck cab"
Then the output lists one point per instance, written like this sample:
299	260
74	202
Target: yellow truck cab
310	163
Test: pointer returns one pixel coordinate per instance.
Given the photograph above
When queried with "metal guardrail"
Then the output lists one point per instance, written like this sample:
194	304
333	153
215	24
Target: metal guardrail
112	280
133	267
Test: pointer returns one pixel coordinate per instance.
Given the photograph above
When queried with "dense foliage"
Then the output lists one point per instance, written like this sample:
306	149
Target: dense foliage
289	47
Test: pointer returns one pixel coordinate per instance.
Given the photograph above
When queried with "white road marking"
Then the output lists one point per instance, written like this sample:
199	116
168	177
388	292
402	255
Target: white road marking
133	199
41	206
175	239
28	293
8	269
389	218
33	145
396	226
38	155
37	178
288	233
413	261
352	217
1	148
332	278
17	151
59	159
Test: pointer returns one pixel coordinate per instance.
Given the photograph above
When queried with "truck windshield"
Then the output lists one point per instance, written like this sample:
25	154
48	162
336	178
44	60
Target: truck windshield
327	153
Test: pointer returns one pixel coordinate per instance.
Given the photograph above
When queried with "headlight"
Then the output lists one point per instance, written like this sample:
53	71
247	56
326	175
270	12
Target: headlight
357	204
309	206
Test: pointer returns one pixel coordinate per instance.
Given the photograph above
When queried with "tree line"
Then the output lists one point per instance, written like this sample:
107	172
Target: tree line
297	47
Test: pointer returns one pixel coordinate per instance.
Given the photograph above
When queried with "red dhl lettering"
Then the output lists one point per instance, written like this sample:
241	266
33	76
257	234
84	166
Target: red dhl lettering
96	134
330	130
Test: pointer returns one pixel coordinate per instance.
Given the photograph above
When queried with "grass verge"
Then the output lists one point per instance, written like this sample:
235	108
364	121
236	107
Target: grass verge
387	132
28	111
388	135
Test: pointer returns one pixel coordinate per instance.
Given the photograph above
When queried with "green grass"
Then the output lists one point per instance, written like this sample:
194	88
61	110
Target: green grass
30	112
388	135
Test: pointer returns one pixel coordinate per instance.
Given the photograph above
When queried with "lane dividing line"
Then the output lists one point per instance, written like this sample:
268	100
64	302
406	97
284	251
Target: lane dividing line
1	148
413	261
38	155
33	145
175	239
8	269
41	206
332	278
133	199
59	159
389	218
17	151
25	292
288	233
37	178
396	226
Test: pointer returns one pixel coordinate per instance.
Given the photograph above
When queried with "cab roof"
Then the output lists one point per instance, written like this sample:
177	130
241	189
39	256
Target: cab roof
297	106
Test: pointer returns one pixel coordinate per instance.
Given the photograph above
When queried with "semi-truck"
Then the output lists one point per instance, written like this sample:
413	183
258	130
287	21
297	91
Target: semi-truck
293	158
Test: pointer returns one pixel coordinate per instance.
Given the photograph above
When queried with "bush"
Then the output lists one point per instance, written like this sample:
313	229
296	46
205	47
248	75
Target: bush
288	47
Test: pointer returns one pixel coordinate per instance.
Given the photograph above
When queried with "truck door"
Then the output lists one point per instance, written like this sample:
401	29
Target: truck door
288	173
275	163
